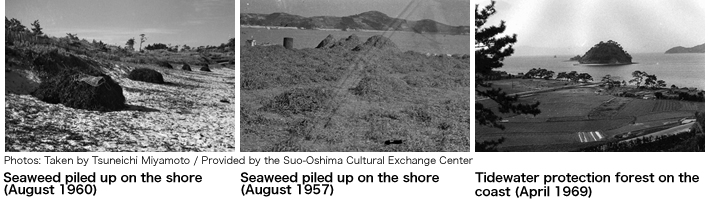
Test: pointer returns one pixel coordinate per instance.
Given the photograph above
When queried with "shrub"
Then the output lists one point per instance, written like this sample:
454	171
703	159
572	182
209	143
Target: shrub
76	91
146	75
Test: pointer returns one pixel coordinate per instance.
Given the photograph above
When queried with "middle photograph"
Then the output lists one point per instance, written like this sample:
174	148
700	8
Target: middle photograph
374	77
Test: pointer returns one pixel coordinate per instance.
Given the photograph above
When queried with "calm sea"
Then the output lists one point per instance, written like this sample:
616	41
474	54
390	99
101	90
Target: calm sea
682	70
406	41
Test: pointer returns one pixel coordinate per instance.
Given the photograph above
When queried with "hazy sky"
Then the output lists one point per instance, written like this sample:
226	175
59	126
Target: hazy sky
195	23
451	12
565	27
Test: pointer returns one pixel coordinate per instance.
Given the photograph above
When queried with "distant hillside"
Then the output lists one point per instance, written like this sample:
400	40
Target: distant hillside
372	20
697	49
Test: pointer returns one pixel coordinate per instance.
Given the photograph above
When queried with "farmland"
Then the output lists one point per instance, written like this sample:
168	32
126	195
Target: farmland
577	117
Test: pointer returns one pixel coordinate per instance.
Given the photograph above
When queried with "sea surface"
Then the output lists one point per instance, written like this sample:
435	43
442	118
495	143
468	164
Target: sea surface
682	70
406	41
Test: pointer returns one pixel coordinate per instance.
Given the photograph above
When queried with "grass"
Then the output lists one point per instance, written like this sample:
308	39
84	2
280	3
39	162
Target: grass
341	100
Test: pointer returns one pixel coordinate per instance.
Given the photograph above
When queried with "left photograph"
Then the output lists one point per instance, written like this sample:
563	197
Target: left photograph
116	76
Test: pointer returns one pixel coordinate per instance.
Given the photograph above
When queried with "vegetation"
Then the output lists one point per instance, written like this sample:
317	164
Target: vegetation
333	98
609	52
488	57
649	80
490	54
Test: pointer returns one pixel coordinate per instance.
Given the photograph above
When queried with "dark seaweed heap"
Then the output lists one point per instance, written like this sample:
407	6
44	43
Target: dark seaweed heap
68	89
146	75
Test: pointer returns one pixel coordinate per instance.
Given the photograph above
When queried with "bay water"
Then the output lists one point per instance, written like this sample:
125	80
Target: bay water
406	41
682	70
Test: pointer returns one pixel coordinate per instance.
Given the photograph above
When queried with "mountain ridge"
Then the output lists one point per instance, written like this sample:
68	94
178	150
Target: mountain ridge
680	49
370	20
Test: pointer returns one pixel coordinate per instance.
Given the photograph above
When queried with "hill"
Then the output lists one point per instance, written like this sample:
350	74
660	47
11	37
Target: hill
609	52
696	49
371	20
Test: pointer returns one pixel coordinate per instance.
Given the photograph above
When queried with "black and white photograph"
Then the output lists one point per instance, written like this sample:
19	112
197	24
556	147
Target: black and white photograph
354	76
590	76
120	76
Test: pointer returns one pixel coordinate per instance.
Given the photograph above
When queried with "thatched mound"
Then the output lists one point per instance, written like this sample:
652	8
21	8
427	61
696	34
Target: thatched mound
345	43
99	93
328	42
186	67
301	100
146	75
205	68
377	41
164	64
380	87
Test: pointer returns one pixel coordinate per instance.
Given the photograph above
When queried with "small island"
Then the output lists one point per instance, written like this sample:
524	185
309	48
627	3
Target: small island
605	53
696	49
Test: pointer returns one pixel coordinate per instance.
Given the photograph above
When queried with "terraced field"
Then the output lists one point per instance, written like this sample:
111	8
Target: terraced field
575	118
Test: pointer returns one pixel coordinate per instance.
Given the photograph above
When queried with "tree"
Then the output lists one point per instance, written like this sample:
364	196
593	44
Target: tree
36	29
562	75
638	77
130	43
185	48
585	76
14	25
573	76
660	84
232	43
142	39
650	80
72	36
489	56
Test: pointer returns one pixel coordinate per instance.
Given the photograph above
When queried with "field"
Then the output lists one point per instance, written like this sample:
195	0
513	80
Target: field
343	100
512	86
576	118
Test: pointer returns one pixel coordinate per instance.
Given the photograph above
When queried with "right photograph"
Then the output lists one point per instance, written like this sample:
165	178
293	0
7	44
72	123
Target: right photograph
589	76
355	76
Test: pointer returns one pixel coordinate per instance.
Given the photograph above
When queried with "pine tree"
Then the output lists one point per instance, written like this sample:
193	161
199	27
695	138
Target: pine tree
489	54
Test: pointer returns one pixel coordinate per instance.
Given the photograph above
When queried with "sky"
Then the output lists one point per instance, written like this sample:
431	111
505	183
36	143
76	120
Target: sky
176	22
451	12
571	27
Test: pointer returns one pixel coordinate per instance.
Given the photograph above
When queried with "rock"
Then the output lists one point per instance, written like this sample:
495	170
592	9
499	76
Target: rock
146	75
69	89
186	67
